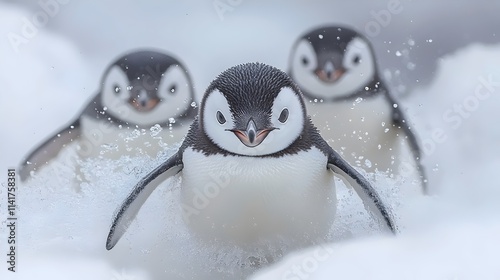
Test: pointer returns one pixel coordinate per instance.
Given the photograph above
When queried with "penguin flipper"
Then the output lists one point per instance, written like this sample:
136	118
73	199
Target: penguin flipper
363	188
140	193
48	149
398	119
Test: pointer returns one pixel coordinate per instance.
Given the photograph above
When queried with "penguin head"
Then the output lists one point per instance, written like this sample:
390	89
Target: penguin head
332	62
253	110
146	88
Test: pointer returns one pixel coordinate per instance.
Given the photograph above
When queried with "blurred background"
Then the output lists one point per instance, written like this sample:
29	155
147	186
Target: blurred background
431	53
53	71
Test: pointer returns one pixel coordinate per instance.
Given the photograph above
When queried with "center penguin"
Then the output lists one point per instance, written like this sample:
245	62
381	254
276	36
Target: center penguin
267	172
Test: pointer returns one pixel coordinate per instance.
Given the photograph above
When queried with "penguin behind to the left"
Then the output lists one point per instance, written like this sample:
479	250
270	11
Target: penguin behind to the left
145	102
265	173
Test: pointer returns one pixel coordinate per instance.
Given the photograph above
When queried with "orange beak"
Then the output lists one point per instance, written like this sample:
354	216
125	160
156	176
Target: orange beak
251	137
329	76
143	103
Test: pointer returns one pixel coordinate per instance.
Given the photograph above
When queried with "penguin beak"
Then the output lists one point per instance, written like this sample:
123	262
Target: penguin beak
251	136
329	74
142	102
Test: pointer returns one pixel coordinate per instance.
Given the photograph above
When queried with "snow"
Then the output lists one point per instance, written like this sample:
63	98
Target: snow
63	222
441	253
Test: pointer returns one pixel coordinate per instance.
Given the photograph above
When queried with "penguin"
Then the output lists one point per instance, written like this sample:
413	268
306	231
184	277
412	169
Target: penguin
335	67
253	168
145	101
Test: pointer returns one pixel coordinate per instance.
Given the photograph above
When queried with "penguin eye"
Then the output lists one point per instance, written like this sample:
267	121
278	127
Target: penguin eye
283	116
305	61
117	89
356	59
220	117
172	89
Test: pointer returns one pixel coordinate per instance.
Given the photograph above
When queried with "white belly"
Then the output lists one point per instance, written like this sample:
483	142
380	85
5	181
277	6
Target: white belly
100	139
249	199
361	132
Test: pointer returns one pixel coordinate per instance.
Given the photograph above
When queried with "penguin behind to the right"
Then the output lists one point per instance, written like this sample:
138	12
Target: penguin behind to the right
336	69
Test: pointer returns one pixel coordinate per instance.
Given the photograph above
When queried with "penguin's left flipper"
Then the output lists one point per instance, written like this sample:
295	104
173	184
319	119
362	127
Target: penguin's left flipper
48	149
399	120
140	193
365	191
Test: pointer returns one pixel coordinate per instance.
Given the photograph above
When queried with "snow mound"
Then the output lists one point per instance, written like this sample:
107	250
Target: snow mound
44	71
460	251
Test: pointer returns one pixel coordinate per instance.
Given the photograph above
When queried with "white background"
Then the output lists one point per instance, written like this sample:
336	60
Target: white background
47	80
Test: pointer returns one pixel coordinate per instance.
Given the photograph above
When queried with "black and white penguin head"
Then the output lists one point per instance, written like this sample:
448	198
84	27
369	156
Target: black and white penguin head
253	109
332	62
146	88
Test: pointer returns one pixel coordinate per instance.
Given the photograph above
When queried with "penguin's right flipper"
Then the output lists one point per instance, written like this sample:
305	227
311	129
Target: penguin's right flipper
49	149
365	191
142	190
